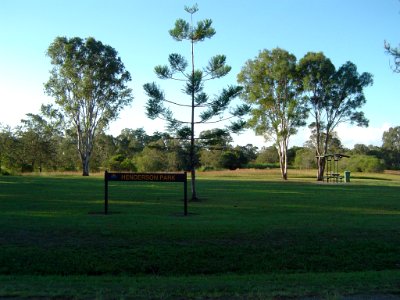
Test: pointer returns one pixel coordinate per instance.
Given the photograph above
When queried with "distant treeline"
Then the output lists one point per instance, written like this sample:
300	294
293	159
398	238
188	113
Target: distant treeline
34	149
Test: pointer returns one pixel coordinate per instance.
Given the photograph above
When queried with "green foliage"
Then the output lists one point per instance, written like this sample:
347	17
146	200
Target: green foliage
5	172
38	138
271	87
211	159
199	104
263	166
88	82
231	160
184	30
247	153
194	80
156	157
215	138
363	163
151	160
360	149
348	95
391	147
333	97
217	152
305	159
8	143
267	155
120	163
214	143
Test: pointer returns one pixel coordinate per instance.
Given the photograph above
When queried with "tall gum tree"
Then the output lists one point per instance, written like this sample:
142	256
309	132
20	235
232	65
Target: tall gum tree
333	97
271	87
202	109
88	82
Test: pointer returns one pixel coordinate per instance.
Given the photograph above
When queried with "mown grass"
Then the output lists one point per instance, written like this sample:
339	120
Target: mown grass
250	236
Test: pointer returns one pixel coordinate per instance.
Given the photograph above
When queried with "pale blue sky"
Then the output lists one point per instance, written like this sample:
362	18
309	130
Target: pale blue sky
344	30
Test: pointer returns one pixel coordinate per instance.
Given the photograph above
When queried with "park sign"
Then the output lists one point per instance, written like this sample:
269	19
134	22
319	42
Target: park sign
158	177
155	177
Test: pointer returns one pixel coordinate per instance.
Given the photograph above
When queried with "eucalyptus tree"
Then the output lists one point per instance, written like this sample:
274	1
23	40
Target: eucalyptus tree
201	108
131	141
88	82
271	87
333	97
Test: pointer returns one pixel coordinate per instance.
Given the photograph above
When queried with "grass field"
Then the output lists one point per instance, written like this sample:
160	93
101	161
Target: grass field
251	236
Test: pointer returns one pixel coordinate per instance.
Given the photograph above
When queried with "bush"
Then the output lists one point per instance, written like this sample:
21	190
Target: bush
305	159
151	160
5	172
211	159
230	160
26	168
268	155
120	163
261	166
208	168
363	163
128	165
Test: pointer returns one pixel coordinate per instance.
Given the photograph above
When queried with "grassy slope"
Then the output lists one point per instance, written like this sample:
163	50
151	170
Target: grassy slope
247	237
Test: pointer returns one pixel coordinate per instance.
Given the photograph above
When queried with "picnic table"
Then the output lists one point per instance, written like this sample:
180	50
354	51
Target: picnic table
332	167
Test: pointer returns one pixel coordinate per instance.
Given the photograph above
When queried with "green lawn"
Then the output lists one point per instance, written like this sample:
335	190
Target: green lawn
250	236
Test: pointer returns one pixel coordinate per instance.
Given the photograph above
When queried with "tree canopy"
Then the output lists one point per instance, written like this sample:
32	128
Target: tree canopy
88	82
202	108
333	97
271	87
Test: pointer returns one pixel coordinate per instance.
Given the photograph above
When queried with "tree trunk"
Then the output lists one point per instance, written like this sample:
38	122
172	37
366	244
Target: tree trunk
193	184
85	146
321	160
282	152
321	168
319	150
192	145
283	165
85	165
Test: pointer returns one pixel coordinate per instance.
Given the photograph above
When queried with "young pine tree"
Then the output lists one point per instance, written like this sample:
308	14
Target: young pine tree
201	108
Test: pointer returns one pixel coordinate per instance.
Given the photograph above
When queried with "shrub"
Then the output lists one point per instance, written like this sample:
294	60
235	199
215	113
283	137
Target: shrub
121	163
261	166
5	172
128	165
268	155
230	160
305	159
151	160
363	163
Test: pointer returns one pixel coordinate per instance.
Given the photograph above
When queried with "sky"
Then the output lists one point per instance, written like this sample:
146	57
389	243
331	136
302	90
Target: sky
344	30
